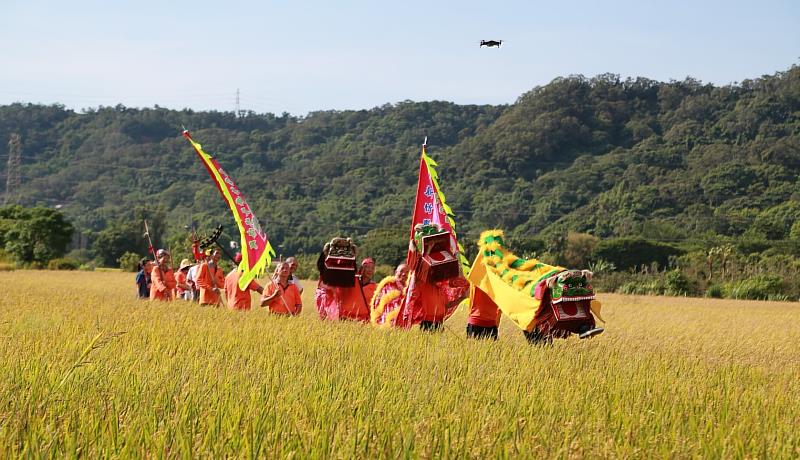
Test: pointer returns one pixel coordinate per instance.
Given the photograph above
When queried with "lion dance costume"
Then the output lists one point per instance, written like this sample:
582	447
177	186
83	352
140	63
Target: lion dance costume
545	301
434	286
338	294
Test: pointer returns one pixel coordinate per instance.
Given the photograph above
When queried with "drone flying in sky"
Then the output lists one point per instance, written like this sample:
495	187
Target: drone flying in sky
491	43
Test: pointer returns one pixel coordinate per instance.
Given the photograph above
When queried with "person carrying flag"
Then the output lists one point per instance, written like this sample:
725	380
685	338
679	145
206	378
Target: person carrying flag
428	302
239	299
437	282
257	252
281	296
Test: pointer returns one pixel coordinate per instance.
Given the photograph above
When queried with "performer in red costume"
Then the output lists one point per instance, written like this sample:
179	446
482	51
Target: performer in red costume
484	315
389	297
436	285
340	294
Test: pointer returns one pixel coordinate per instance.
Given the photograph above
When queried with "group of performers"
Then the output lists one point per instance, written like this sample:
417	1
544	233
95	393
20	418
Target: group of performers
205	283
403	300
544	301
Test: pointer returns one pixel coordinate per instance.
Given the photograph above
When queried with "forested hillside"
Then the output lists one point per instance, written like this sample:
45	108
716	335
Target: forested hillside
679	162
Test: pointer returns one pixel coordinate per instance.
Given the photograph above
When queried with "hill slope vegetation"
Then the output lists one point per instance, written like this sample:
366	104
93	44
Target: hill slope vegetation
680	162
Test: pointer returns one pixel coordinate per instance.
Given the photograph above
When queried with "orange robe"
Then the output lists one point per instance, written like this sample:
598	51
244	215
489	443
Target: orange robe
483	311
207	279
237	298
369	290
287	302
180	278
163	287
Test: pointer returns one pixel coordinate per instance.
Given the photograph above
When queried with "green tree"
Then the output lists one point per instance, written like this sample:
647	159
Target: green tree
726	181
627	253
120	238
385	245
35	235
127	235
602	156
527	247
578	250
129	261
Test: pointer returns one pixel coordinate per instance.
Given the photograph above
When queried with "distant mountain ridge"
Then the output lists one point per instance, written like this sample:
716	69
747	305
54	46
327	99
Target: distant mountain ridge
668	161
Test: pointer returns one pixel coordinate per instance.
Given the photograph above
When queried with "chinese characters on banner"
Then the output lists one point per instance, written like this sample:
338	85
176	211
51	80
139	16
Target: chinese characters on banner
256	251
252	227
428	209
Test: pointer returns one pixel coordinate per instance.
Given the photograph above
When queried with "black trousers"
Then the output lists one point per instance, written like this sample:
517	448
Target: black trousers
537	338
481	332
430	326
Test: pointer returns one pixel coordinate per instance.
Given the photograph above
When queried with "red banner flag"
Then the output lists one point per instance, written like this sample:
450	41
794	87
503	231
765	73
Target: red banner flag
256	251
430	207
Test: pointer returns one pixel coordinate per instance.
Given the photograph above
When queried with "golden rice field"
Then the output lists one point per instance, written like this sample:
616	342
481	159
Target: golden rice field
88	371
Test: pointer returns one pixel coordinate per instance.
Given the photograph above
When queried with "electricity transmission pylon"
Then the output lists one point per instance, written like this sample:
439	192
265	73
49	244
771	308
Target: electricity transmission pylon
13	174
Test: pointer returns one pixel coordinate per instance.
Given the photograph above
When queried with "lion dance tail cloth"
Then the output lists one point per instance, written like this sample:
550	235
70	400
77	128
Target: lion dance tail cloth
387	302
534	295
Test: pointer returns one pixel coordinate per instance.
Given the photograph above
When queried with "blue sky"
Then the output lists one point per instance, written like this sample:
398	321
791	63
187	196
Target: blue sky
305	56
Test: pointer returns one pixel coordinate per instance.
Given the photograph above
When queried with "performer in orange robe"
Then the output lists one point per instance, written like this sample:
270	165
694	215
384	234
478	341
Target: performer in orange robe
181	285
364	278
237	298
210	280
281	296
163	278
